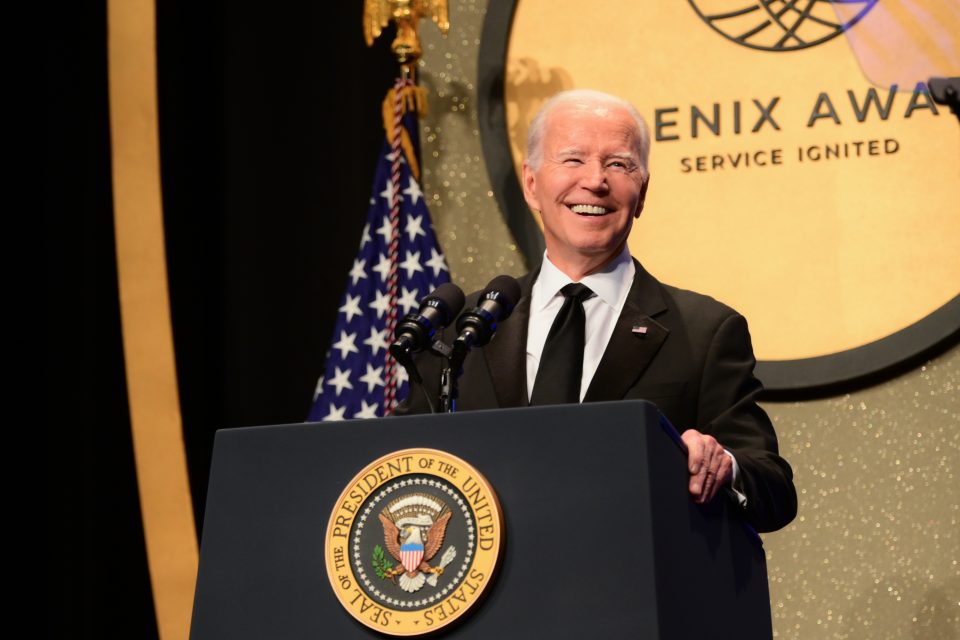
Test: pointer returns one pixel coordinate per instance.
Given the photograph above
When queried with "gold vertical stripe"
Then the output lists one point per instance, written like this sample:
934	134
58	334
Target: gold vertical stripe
165	500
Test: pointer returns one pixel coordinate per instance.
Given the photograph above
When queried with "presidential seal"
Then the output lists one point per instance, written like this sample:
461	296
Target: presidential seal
413	542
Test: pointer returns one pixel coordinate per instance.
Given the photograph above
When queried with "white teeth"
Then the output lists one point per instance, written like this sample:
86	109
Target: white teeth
588	209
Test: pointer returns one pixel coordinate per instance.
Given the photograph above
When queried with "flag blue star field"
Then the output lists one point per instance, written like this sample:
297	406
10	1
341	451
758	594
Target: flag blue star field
355	374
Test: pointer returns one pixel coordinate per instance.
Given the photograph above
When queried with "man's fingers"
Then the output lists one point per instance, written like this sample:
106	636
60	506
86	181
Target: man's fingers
709	484
696	483
708	464
693	440
708	475
717	476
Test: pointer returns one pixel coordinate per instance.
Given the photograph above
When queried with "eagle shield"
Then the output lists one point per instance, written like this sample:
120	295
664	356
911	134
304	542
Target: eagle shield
411	553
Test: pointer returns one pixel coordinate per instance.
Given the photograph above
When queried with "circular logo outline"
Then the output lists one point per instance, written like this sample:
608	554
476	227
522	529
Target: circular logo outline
388	494
790	32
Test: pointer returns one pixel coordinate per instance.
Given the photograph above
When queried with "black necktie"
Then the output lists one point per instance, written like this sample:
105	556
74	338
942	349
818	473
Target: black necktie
561	365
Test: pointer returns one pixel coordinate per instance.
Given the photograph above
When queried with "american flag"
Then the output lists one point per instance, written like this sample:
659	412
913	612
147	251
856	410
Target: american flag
399	262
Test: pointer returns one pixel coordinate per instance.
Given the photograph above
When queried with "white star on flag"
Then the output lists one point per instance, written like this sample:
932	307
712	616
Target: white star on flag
372	378
341	380
377	340
414	227
383	267
366	237
413	190
357	272
335	415
436	262
409	300
385	230
381	304
346	344
412	263
388	193
351	307
367	411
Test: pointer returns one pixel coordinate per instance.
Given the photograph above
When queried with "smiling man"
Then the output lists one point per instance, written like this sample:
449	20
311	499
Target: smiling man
593	325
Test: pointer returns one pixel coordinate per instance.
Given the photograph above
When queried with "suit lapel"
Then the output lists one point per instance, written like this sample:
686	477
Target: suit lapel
506	355
635	341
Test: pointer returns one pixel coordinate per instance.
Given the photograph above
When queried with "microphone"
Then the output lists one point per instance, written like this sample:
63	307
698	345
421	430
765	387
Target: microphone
416	331
477	325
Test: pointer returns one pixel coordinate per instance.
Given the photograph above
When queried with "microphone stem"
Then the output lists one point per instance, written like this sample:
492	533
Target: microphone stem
448	391
405	358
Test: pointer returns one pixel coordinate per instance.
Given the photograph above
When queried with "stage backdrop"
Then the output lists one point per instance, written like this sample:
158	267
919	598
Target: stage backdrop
802	172
873	552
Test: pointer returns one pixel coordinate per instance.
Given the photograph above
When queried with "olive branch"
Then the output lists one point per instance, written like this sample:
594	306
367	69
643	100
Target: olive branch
380	563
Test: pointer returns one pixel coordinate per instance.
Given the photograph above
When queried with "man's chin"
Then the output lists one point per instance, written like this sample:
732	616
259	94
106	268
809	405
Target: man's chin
584	259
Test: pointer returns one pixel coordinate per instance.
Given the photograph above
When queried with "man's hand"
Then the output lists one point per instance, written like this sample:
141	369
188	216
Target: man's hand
710	467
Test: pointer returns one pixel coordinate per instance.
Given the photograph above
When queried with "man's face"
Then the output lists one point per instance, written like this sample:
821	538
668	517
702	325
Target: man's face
589	186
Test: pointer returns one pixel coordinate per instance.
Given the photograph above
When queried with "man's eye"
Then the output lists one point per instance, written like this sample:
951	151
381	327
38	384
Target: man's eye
573	161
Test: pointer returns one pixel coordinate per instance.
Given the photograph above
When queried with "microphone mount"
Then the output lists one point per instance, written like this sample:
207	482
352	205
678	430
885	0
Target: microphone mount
476	327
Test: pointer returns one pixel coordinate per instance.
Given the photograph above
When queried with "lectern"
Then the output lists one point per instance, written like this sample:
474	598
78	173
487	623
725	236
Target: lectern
600	537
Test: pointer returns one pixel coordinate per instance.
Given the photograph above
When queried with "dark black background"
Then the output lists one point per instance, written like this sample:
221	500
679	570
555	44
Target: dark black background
270	128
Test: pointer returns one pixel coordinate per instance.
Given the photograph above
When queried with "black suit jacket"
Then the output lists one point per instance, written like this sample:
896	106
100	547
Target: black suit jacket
695	362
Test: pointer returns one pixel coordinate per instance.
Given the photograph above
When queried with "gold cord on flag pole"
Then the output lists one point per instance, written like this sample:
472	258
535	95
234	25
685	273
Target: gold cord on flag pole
412	99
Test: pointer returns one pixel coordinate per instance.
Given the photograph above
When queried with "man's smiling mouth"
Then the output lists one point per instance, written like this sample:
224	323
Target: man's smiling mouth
589	209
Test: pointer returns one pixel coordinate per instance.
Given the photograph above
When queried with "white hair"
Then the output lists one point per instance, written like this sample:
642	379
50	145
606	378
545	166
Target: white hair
584	98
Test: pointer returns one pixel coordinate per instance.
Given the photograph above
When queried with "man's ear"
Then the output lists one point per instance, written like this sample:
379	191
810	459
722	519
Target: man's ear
530	187
643	196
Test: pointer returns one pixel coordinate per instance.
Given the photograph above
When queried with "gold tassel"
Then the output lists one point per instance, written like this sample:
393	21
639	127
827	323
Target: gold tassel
414	99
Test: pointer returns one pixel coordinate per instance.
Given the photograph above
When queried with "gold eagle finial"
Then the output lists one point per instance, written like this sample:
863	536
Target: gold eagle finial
406	13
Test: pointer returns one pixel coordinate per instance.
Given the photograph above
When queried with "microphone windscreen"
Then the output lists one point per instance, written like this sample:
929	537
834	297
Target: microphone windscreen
452	296
508	287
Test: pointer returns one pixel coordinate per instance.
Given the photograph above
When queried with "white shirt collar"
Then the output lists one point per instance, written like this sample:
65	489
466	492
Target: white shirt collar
611	284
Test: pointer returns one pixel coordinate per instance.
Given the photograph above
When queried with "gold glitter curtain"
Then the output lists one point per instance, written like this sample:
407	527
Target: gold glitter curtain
874	552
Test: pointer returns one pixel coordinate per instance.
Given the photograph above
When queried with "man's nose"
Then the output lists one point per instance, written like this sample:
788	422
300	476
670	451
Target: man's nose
594	177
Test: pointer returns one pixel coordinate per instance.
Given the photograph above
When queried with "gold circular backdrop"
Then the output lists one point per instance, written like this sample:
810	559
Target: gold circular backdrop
813	189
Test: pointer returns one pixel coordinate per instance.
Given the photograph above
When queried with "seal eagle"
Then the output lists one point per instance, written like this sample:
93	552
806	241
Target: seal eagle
413	536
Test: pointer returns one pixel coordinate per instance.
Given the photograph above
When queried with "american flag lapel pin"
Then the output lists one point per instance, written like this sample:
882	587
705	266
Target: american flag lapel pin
640	329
